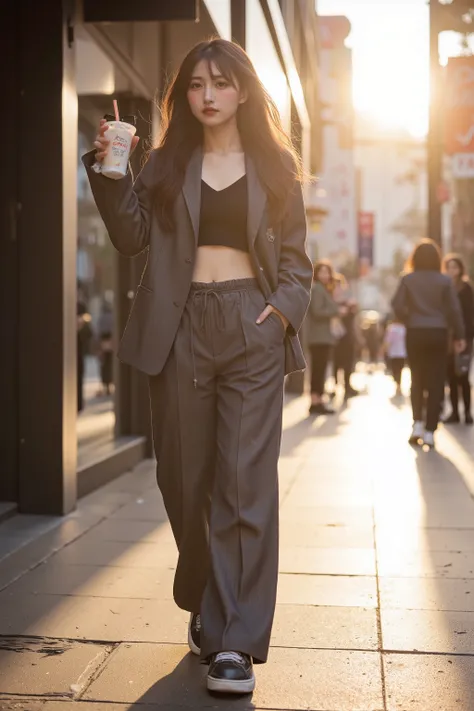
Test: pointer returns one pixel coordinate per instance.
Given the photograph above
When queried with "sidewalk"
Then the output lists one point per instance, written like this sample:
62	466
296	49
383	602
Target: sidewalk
376	591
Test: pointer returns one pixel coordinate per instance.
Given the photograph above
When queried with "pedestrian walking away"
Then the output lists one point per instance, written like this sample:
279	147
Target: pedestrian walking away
345	348
218	206
459	364
427	303
321	337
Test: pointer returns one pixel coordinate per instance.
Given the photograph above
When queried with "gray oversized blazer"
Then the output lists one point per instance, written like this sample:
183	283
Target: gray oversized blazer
278	255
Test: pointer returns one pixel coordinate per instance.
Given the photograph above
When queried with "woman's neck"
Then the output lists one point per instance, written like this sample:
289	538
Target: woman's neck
222	139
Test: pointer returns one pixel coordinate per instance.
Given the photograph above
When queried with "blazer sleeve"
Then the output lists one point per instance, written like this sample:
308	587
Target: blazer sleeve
124	205
400	301
455	316
295	271
466	297
322	306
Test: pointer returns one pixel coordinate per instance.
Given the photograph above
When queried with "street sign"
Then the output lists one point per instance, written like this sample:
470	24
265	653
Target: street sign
459	112
462	165
366	229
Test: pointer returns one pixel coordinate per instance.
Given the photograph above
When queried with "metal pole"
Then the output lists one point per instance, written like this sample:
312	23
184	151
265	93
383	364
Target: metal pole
435	147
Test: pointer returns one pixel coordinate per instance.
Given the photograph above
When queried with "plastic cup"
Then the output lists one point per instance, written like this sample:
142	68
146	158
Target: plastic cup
115	163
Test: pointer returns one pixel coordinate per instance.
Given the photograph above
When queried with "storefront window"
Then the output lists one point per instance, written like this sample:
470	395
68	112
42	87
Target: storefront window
95	307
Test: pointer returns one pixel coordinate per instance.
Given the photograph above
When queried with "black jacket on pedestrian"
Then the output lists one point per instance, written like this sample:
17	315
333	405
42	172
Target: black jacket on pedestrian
428	299
466	299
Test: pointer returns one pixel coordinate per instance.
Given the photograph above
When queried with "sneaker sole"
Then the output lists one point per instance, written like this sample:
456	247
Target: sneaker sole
192	646
231	686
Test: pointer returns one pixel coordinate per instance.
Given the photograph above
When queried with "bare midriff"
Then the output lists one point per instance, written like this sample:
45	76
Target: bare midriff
221	264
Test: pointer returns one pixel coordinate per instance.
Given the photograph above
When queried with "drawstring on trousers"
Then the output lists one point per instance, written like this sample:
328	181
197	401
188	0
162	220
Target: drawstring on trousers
221	320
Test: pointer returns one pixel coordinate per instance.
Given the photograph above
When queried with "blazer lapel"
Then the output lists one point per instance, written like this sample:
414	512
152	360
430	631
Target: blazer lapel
257	200
192	189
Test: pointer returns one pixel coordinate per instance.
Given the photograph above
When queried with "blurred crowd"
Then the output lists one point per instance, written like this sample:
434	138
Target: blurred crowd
430	330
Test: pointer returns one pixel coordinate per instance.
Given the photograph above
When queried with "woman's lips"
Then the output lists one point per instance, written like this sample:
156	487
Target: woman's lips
210	112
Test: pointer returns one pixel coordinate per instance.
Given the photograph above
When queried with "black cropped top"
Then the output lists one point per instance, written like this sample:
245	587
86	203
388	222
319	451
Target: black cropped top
223	220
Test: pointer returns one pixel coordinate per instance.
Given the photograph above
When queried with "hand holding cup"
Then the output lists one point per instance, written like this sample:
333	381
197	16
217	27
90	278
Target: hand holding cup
101	142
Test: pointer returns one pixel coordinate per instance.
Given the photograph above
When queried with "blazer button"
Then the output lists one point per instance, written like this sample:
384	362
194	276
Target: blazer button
188	260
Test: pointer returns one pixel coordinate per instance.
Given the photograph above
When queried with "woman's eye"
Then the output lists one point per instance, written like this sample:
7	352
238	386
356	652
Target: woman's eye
195	85
222	84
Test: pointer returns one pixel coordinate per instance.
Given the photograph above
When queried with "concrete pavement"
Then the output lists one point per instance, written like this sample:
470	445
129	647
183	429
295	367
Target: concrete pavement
376	591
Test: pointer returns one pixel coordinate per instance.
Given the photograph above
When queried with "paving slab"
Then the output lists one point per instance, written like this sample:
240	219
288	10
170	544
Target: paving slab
327	590
56	578
150	508
429	682
313	534
93	618
427	594
329	496
327	515
446	632
443	519
89	706
422	563
48	667
330	561
306	626
124	554
129	530
294	679
428	539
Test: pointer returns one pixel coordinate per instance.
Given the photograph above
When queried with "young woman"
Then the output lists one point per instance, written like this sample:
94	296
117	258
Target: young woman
427	303
214	324
454	267
322	310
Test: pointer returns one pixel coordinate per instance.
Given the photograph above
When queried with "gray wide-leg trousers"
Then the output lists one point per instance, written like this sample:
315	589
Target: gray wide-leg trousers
216	410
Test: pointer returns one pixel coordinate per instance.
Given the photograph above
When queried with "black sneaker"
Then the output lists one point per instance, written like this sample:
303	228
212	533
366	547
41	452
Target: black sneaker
453	419
194	633
468	419
322	409
231	673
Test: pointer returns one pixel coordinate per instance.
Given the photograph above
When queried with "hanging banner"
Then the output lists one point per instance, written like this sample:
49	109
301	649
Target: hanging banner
365	235
459	105
462	165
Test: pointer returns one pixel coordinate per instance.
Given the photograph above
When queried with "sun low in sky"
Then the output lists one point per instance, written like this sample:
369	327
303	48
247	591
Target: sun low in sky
390	43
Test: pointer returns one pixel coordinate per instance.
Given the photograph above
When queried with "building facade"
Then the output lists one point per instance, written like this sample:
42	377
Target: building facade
62	72
334	234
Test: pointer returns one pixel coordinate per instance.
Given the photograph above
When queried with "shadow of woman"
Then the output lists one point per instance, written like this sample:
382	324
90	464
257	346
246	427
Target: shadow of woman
185	686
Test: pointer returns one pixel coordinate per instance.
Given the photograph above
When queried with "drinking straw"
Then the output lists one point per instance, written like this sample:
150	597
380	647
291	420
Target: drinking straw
116	111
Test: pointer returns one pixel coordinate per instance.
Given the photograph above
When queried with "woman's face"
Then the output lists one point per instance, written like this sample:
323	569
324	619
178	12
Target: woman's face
453	270
324	275
212	99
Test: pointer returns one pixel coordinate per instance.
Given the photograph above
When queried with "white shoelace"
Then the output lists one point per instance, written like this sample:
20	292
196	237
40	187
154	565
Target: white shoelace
230	657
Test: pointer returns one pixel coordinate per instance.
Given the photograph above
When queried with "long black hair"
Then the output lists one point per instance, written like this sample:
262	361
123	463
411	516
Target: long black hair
258	121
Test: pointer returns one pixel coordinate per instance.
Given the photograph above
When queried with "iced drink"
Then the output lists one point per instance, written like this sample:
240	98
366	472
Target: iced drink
120	135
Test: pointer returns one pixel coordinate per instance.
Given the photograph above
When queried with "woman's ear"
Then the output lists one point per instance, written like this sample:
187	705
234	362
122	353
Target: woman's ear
243	96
